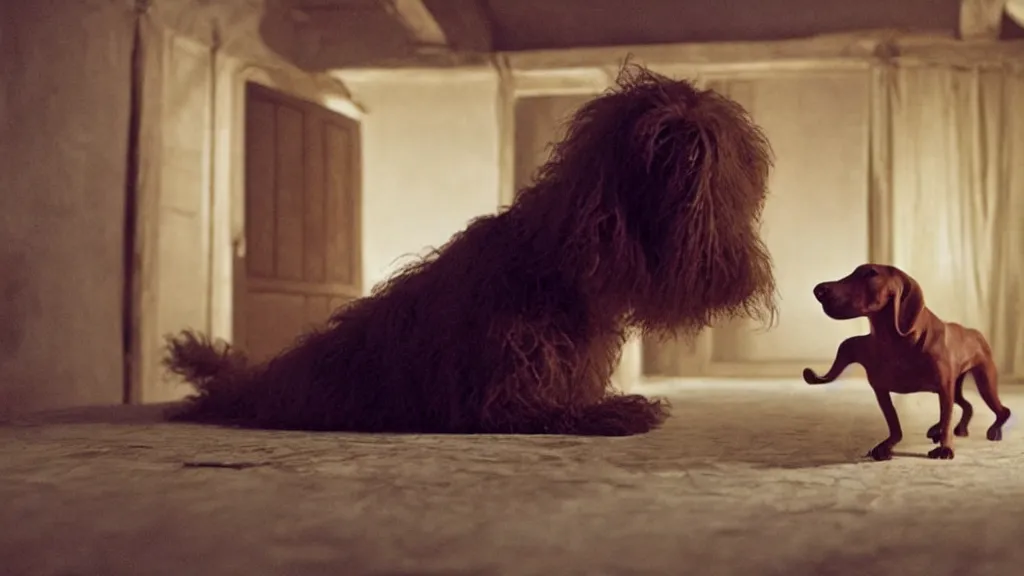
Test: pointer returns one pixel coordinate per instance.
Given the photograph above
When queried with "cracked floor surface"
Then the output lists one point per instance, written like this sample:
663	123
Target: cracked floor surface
752	478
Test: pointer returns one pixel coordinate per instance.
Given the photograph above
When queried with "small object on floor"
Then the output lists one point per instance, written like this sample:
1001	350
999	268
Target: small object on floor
227	465
909	350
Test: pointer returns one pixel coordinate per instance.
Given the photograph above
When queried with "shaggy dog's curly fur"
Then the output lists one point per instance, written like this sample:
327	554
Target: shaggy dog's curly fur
646	217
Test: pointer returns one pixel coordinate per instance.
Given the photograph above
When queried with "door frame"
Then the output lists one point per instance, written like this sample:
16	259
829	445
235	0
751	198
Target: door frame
239	271
225	195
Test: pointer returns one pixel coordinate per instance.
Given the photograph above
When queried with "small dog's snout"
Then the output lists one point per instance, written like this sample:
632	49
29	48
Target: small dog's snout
820	292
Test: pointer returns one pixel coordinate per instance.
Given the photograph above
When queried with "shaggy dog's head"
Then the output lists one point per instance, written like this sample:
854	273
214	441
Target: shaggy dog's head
655	196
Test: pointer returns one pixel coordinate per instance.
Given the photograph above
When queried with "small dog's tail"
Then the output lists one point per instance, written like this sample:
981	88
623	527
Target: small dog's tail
216	370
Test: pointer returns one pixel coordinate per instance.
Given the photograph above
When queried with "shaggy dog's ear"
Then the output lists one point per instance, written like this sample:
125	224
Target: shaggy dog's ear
700	148
705	167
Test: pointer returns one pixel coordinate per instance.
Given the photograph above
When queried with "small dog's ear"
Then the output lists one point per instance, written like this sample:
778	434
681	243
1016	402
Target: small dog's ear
907	302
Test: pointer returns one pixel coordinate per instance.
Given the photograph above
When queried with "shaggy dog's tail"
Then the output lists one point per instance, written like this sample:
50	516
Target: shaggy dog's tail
200	361
217	371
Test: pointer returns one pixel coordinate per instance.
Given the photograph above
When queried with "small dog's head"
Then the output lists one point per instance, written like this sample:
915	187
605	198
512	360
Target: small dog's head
874	291
655	198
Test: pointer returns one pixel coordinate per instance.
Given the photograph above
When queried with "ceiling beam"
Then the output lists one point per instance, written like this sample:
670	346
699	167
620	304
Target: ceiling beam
981	19
466	22
418	22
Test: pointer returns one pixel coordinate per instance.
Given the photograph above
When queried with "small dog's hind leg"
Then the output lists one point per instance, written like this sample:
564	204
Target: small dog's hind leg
986	378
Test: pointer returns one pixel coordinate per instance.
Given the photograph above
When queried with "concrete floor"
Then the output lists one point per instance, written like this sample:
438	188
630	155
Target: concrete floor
753	478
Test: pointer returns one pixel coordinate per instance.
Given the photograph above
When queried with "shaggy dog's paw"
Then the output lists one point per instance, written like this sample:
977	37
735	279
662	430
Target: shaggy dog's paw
622	415
941	453
961	431
881	452
995	433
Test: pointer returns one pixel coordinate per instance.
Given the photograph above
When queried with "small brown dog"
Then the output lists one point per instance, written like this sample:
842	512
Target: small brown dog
909	350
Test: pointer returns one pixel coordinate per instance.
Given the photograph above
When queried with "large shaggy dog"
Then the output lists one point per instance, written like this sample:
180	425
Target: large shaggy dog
645	218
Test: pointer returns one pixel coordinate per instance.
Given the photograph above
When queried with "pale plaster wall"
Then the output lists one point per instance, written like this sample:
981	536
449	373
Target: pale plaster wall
64	125
415	129
199	56
430	159
64	97
816	221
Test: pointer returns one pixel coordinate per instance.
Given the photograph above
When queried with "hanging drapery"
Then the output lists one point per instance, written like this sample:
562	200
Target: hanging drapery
957	141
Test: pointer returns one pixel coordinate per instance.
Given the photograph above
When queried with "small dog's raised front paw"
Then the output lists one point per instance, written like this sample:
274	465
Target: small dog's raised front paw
933	434
941	453
995	433
809	376
881	452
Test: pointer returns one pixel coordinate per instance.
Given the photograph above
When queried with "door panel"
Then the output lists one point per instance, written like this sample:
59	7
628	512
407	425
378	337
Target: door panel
302	229
339	211
259	188
314	217
290	194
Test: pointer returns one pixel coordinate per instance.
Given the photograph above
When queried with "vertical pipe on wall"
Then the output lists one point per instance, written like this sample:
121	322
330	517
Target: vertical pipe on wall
506	112
215	45
132	262
880	163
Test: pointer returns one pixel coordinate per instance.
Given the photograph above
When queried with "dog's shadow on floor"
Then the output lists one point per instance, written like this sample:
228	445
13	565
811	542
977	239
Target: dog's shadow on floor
805	434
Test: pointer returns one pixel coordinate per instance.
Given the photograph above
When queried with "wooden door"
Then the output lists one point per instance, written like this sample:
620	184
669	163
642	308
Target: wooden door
302	239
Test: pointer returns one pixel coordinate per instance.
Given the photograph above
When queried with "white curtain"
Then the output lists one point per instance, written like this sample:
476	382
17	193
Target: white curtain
958	197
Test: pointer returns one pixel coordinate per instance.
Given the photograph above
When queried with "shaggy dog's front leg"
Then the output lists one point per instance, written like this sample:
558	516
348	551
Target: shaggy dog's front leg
548	395
615	415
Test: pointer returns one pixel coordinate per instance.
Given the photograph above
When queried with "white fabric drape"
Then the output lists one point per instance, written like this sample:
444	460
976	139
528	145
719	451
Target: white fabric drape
958	197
